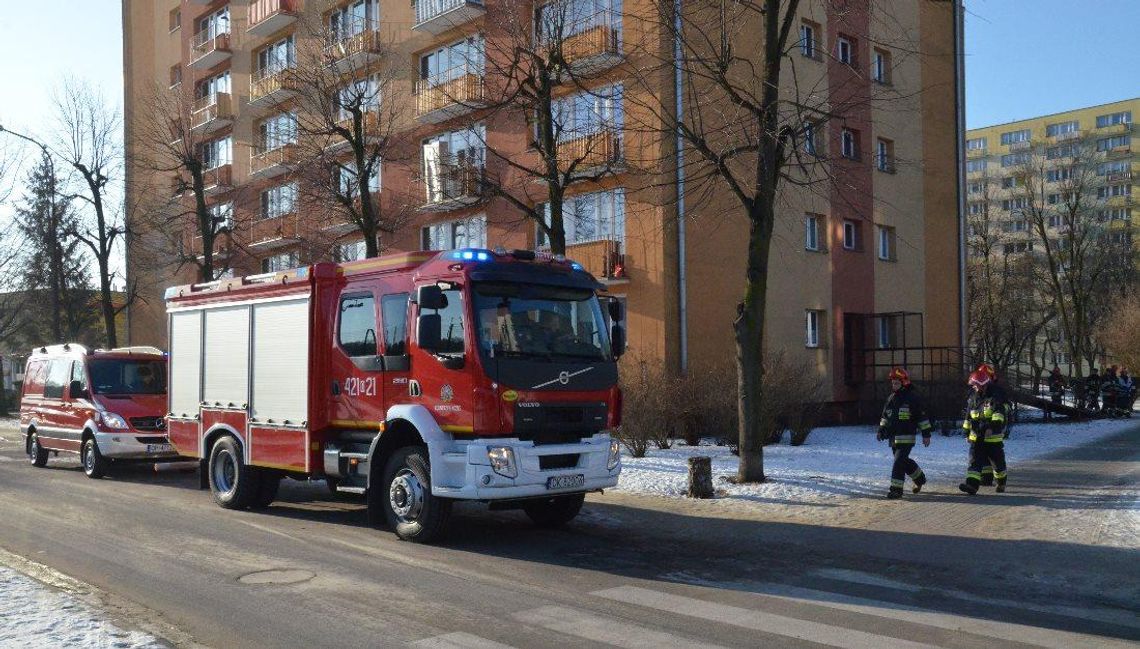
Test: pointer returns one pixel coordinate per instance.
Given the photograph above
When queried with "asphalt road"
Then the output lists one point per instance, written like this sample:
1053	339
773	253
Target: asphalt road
630	572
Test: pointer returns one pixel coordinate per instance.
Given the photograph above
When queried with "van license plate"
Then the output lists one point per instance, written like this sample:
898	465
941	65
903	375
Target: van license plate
565	481
159	448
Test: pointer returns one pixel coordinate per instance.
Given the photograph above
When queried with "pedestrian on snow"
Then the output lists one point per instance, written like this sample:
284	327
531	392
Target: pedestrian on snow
987	427
1127	390
1056	389
903	415
1108	389
1092	390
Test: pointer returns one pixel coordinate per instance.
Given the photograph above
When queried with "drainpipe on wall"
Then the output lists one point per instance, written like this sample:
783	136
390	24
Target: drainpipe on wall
960	146
682	306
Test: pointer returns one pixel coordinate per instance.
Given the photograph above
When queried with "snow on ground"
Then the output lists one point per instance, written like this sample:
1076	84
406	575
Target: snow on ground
34	615
843	462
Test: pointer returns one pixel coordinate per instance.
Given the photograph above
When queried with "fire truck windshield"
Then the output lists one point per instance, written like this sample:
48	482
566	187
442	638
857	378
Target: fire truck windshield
543	322
122	376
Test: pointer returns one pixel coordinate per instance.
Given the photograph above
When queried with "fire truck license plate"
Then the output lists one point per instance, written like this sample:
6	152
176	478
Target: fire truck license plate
565	481
159	448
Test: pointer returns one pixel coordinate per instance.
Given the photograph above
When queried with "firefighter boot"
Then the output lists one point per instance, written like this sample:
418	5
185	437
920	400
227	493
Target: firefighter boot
894	493
1001	485
919	479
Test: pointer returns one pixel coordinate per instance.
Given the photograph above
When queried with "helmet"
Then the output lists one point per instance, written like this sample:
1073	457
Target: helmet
982	376
899	374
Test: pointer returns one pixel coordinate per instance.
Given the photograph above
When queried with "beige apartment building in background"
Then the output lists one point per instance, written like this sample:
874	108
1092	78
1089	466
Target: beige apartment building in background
852	267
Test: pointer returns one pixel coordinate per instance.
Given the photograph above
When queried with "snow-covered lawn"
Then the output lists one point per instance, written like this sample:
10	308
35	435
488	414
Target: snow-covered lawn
34	615
844	462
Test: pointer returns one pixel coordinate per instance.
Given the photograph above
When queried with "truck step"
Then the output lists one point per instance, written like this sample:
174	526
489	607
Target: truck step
350	490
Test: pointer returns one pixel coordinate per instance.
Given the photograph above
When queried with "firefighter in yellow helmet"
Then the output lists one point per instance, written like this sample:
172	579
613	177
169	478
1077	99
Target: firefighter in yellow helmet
903	416
987	427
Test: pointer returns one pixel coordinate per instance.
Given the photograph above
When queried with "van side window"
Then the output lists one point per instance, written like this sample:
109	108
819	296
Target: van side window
34	378
57	379
77	374
357	329
394	315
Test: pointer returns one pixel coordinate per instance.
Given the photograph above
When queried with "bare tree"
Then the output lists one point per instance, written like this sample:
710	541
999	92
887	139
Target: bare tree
88	139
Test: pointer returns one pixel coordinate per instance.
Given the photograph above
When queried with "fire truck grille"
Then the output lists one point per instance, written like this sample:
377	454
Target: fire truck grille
555	415
148	423
563	461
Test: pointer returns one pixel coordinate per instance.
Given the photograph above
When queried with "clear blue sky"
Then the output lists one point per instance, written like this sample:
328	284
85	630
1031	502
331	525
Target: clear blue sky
1026	58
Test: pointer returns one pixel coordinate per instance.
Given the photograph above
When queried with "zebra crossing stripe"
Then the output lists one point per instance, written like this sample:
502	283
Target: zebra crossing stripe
604	629
824	634
459	640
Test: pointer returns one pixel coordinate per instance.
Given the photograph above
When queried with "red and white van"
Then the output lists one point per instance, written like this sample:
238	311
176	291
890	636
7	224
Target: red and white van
105	405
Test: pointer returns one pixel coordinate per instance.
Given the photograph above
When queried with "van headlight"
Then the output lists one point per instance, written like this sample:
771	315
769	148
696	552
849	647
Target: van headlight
615	455
503	461
113	421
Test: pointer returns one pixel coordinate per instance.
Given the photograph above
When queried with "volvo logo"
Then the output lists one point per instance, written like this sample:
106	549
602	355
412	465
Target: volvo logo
564	378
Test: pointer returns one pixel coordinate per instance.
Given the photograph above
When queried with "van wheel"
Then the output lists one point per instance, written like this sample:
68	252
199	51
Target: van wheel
406	500
268	484
37	454
555	511
232	483
94	464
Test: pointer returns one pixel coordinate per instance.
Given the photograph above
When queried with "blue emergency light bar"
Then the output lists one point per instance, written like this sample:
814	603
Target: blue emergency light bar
480	254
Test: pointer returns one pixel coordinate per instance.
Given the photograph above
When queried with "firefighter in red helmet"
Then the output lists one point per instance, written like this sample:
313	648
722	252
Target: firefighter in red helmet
987	427
903	416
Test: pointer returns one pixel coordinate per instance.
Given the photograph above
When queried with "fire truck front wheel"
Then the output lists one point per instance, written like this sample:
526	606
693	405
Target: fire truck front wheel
37	454
555	511
94	464
233	483
406	499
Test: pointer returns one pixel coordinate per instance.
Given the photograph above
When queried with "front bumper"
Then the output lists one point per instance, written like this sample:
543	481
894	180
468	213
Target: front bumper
464	472
127	446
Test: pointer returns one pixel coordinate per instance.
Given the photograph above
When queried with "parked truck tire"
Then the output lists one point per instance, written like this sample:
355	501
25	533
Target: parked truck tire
404	496
37	454
267	485
94	464
233	483
555	511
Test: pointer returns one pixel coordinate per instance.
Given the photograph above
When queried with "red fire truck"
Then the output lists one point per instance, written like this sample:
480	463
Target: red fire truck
503	388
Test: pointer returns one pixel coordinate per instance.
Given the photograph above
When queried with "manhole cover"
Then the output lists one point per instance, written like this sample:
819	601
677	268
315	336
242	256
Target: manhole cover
285	576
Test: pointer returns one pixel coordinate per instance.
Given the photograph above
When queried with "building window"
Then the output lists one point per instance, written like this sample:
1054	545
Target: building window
350	251
348	182
452	163
1014	204
976	208
449	235
809	39
975	188
215	24
885	155
222	216
175	74
1062	128
975	166
280	262
1062	151
353	18
175	18
1110	143
976	144
811	231
881	66
211	87
599	216
812	320
361	94
560	19
588	113
886	247
811	135
279	201
1014	159
1009	182
1059	174
885	331
1113	190
845	50
851	238
276	57
1113	168
1013	137
1112	119
849	144
276	131
1116	214
453	61
216	153
1017	247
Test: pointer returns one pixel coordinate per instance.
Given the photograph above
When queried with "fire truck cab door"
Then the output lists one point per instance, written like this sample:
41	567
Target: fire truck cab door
356	365
398	385
444	375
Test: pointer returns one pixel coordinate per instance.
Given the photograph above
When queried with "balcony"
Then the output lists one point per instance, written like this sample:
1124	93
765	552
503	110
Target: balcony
437	102
593	50
211	113
594	153
274	232
1118	176
438	16
1020	146
603	259
455	186
1115	153
269	16
217	180
270	163
272	86
1071	135
975	153
355	52
1114	129
1118	201
209	48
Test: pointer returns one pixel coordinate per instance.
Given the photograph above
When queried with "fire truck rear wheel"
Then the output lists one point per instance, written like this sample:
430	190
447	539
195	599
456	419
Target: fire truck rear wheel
37	454
405	496
267	486
232	482
94	464
555	511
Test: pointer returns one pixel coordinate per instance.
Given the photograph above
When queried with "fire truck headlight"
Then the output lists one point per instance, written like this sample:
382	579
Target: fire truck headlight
113	421
503	461
615	455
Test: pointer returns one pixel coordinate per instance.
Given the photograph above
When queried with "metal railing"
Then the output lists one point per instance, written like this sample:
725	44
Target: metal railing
262	10
209	108
600	149
430	9
431	95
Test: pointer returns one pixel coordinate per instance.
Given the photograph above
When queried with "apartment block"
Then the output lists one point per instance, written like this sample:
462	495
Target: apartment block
850	263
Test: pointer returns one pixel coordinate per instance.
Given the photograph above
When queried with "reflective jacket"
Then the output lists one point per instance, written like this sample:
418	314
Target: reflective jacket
987	415
902	416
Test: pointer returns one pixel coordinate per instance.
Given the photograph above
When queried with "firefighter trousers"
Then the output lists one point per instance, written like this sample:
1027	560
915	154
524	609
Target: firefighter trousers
905	466
984	455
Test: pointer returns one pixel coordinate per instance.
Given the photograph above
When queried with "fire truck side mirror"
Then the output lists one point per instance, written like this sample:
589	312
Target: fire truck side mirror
429	326
431	297
614	307
617	340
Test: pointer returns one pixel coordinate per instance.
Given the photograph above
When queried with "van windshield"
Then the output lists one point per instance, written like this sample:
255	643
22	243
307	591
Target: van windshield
544	322
125	376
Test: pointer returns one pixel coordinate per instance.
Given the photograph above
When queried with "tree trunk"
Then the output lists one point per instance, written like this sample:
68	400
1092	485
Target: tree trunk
205	224
749	330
